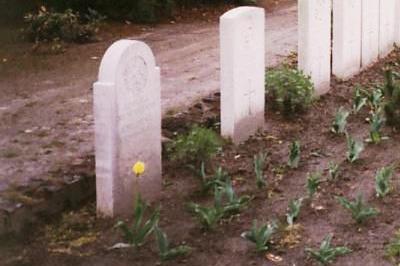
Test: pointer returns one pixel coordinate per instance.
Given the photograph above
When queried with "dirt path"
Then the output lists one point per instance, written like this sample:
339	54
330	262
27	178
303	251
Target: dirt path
46	118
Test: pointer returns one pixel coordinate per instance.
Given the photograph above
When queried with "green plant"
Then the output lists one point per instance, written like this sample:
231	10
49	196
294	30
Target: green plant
216	181
382	181
376	123
70	26
259	164
340	122
164	249
294	154
392	250
199	145
293	210
226	203
234	203
326	253
140	230
391	103
261	236
289	89
359	100
354	149
333	170
375	99
313	181
358	208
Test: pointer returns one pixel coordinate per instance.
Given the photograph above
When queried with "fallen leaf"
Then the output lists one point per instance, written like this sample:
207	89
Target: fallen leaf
120	246
273	258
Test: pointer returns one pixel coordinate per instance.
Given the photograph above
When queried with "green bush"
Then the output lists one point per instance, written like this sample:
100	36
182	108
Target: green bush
199	145
289	89
391	102
70	26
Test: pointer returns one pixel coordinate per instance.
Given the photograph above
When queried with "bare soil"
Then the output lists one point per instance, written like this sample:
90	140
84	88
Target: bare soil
79	238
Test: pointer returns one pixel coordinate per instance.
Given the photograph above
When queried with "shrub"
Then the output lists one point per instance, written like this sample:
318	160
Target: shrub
70	26
199	145
289	89
391	103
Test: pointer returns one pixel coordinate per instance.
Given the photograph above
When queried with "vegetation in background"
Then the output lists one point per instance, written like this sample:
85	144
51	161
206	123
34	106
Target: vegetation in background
289	89
68	26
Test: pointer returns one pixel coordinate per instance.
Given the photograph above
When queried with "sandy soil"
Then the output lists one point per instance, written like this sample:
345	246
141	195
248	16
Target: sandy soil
46	120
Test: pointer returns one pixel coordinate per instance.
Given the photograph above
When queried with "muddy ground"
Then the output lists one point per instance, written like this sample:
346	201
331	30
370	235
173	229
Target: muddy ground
46	121
79	238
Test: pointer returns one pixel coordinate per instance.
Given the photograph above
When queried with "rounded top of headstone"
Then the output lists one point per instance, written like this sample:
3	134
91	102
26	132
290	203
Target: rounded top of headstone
243	11
117	55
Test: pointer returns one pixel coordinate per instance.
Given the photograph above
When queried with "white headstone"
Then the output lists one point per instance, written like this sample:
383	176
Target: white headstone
314	40
370	32
387	26
346	54
127	111
242	41
397	21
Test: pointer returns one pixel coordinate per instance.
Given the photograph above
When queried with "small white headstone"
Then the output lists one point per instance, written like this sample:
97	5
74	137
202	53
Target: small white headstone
387	26
314	51
346	54
370	32
242	41
127	111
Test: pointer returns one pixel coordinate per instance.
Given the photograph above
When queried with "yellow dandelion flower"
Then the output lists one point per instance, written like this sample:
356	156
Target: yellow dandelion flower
138	168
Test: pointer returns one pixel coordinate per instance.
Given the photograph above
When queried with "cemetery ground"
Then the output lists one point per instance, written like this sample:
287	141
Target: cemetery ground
46	117
79	238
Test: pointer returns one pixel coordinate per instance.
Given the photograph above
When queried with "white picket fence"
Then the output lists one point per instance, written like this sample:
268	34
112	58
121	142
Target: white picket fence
342	37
